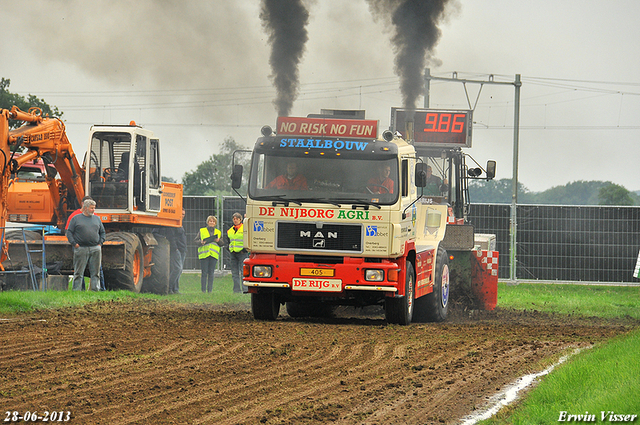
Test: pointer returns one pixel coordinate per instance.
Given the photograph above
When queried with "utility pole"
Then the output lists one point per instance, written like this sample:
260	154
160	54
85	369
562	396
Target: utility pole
513	222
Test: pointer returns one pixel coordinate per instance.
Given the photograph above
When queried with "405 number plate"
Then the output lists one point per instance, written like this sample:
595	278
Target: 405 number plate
306	271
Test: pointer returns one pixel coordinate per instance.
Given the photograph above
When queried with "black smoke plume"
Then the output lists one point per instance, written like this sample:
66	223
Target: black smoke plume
416	33
285	23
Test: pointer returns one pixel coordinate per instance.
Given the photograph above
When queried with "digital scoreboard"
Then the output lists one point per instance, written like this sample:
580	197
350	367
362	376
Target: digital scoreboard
434	127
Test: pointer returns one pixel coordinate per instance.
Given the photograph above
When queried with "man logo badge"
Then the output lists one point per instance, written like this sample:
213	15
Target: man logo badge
318	243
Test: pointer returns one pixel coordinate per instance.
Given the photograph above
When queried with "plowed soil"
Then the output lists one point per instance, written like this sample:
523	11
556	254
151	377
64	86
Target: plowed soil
152	362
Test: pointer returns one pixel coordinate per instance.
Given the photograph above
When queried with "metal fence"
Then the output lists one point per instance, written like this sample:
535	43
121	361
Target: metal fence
554	242
565	243
197	209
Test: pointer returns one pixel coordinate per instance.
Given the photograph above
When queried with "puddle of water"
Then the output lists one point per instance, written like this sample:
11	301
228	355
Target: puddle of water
510	393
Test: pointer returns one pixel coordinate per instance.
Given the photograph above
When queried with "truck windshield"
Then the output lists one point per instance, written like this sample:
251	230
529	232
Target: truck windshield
437	176
324	180
108	167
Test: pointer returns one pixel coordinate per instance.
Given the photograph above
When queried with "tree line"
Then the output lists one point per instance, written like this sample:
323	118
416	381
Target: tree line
574	193
212	176
8	99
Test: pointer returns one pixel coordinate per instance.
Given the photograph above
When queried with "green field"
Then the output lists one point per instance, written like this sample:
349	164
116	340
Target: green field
605	378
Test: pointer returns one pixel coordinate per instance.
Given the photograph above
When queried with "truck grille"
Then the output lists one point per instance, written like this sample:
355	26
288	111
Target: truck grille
319	237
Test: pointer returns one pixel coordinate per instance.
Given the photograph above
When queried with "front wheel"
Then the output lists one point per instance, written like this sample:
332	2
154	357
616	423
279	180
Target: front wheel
131	277
400	310
265	306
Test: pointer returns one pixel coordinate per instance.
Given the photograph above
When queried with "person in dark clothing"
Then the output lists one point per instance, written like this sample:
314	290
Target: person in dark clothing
178	251
73	214
86	235
178	264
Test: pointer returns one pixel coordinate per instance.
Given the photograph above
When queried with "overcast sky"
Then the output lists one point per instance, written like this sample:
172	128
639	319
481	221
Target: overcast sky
195	72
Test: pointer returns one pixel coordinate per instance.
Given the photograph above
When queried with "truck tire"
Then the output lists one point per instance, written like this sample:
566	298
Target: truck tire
434	306
265	306
158	281
131	277
400	310
16	234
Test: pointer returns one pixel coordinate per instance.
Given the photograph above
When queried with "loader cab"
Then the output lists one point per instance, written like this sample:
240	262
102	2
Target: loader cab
124	169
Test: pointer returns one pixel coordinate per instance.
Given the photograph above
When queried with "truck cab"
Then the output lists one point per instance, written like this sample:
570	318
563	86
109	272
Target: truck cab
124	169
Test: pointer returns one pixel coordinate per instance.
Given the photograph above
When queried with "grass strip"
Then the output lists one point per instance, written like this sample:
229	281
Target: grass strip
13	302
607	302
595	383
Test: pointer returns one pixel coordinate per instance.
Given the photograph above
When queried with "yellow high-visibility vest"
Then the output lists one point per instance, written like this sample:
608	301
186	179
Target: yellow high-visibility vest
211	249
235	239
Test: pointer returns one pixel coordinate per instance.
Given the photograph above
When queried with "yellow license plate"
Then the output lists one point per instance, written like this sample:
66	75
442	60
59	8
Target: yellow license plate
305	271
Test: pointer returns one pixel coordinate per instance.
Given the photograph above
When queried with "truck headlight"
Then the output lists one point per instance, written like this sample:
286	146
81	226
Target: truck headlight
374	275
261	271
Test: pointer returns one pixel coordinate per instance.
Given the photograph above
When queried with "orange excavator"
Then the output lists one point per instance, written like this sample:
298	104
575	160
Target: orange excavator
121	172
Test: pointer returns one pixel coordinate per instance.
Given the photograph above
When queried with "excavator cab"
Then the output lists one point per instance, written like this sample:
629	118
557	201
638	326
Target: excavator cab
124	169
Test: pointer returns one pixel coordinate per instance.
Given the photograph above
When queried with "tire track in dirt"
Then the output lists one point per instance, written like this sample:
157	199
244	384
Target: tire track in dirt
457	389
173	364
393	378
312	386
257	390
109	377
97	377
229	383
406	377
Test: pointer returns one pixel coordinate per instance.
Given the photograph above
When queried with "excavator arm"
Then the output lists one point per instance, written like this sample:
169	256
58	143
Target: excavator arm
44	138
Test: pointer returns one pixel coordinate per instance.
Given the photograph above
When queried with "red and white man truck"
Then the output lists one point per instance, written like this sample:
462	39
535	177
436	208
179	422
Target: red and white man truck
369	221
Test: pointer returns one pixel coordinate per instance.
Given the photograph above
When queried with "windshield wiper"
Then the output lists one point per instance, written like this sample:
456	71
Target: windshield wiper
279	199
320	200
355	203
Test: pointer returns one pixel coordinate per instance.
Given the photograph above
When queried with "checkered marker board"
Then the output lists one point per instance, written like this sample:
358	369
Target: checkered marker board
489	260
636	272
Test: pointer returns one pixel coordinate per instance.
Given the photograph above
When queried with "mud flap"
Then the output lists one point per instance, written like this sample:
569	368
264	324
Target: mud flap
484	279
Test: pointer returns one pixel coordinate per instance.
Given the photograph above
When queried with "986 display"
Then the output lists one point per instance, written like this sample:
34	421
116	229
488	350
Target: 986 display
434	127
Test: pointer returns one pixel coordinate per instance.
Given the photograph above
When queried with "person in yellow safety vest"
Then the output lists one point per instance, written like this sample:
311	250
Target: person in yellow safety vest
208	252
233	240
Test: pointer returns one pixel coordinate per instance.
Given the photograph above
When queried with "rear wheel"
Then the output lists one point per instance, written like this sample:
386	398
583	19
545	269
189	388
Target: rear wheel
265	306
434	306
131	277
400	310
29	235
158	282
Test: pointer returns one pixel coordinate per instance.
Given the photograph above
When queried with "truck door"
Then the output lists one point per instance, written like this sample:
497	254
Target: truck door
153	176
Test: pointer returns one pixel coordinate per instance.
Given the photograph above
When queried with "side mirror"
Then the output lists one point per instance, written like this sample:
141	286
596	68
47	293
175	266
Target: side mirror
236	176
491	169
421	174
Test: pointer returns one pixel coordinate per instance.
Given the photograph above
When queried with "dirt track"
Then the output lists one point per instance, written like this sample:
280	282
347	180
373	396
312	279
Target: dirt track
152	362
